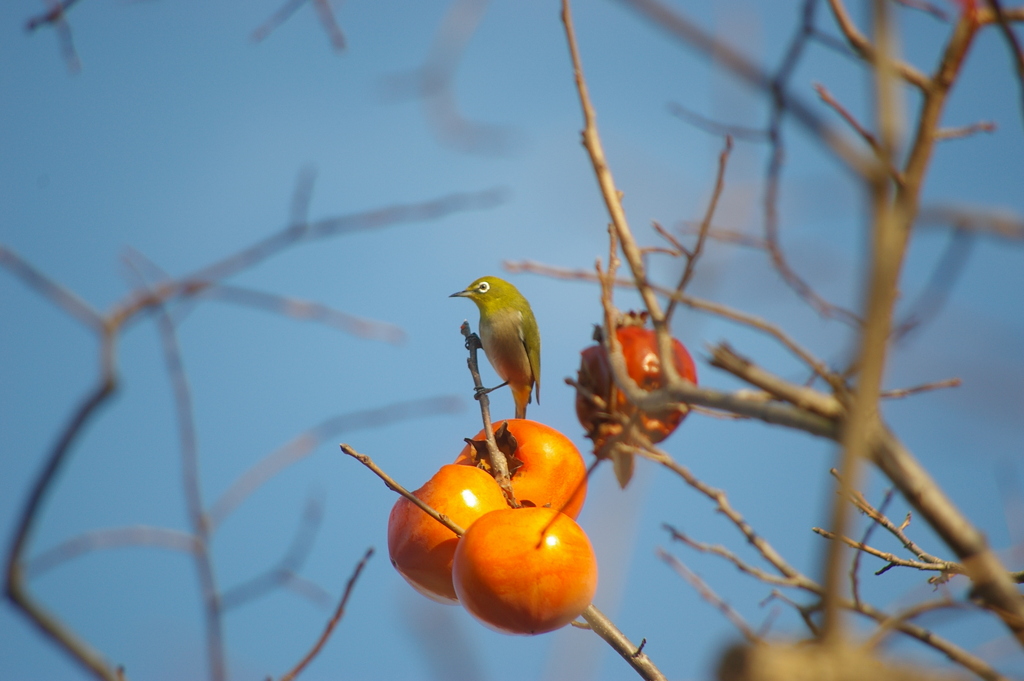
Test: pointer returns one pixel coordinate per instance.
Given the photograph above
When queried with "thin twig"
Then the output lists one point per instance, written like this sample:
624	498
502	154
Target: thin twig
862	505
888	625
859	42
964	130
864	133
705	225
499	465
395	487
890	558
334	620
634	655
723	506
899	393
708	594
855	565
949	649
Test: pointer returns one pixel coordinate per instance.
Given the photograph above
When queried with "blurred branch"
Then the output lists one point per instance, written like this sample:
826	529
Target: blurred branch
303	444
782	105
193	495
936	292
433	84
723	235
110	538
324	13
285	572
749	73
790	576
305	310
743	566
705	225
724	357
335	226
899	393
888	625
965	130
1012	43
56	17
64	298
865	538
868	52
987	222
334	620
926	7
108	328
881	281
740	132
15	585
864	133
705	592
52	16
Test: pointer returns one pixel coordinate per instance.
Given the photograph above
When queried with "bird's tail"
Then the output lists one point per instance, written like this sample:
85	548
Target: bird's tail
521	395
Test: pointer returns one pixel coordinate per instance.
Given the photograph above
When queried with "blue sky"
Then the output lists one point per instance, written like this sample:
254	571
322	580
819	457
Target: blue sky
183	140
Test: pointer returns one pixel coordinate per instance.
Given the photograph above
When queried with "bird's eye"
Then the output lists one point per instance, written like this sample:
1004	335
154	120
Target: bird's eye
483	287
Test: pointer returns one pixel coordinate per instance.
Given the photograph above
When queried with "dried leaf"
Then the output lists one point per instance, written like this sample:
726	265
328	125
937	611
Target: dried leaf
622	462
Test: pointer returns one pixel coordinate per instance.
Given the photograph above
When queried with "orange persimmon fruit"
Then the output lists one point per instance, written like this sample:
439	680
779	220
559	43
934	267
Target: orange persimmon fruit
546	467
513	580
420	547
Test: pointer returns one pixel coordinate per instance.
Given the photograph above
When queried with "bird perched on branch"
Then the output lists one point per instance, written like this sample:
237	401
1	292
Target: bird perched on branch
509	334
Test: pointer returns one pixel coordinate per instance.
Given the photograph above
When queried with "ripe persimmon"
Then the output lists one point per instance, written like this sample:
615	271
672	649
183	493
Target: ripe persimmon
546	467
510	578
420	547
640	350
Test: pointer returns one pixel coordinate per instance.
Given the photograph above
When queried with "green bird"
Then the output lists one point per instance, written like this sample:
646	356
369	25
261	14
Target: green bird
509	334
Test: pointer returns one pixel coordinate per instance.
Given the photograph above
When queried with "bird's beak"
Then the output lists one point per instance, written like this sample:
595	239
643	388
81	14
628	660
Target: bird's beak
460	294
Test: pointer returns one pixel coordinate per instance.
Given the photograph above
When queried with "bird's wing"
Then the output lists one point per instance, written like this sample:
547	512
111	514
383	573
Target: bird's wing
532	357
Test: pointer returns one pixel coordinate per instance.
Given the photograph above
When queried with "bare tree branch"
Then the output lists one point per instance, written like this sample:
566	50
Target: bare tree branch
304	444
304	662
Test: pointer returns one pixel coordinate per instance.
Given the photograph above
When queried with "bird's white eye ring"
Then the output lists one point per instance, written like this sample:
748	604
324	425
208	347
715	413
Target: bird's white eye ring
483	287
